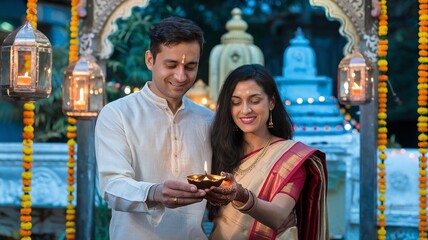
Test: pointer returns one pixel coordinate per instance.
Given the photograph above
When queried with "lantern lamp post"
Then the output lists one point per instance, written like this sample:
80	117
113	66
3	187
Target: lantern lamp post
355	79
26	66
83	88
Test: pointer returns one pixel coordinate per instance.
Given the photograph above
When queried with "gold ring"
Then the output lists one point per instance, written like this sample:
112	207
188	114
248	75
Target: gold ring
175	200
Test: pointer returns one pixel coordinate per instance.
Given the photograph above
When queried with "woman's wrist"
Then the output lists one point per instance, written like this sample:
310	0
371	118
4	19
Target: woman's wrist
242	194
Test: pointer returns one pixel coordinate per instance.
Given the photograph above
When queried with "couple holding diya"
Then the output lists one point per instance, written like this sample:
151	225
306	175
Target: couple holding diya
148	142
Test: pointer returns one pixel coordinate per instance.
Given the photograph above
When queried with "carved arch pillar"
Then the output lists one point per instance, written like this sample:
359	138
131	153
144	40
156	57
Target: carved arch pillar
101	22
357	24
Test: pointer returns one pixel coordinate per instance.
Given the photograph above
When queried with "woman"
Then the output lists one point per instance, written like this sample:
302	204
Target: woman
276	186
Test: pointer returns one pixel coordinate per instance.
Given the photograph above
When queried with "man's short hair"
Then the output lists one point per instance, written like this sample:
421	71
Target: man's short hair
175	30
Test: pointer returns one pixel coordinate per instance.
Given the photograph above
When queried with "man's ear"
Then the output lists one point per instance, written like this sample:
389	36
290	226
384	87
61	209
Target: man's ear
149	60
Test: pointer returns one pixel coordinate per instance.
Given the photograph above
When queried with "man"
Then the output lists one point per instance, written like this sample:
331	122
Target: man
148	142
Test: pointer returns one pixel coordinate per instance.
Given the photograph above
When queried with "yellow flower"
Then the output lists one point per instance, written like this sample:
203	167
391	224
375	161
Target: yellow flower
71	142
26	203
381	231
422	110
382	156
29	106
25	197
71	128
71	211
382	62
422	137
27	175
422	191
381	148
70	224
26	226
70	197
423	150
70	165
383	90
70	230
382	198
27	158
27	150
28	128
382	115
70	188
27	142
422	119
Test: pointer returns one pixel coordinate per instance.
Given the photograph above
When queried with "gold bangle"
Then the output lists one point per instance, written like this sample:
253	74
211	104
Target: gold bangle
246	206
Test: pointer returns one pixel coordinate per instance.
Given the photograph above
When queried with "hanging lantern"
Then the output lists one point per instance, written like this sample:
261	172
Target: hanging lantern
355	79
26	66
83	88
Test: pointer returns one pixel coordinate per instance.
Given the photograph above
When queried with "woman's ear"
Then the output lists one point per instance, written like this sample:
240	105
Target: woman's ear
272	103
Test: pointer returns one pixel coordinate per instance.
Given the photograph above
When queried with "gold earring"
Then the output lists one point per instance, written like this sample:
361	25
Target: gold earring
270	125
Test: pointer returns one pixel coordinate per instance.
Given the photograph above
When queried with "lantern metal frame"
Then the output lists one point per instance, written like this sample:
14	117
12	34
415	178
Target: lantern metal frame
83	88
26	66
355	79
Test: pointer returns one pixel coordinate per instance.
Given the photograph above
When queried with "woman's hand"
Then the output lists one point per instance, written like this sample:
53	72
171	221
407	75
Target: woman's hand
226	192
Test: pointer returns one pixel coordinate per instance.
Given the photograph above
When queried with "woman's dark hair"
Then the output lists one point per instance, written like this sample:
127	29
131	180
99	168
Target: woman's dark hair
175	30
226	138
227	141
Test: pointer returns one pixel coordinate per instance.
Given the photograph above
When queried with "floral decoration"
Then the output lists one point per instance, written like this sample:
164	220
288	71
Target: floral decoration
423	119
32	12
27	164
382	116
70	215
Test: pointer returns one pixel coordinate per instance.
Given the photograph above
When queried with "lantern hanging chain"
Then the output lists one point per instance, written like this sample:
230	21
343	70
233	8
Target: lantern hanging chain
422	110
382	116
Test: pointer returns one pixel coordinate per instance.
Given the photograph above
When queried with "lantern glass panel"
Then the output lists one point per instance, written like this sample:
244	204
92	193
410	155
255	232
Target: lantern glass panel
355	83
24	77
83	89
5	71
26	65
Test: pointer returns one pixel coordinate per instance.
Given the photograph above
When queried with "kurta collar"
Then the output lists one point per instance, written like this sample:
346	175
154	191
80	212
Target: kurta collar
158	101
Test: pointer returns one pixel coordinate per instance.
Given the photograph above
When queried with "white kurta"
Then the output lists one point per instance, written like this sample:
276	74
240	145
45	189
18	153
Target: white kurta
139	142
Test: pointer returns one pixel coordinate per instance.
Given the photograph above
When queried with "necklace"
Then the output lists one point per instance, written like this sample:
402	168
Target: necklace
240	171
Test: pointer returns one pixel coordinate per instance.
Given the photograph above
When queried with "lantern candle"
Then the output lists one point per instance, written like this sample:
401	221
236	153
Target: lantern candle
81	103
24	80
356	91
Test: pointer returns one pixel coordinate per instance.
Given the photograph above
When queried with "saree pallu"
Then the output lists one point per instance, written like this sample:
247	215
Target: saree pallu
311	208
270	175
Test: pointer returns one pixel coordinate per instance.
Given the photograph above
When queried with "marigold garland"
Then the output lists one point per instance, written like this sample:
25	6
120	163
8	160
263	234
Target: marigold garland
70	216
74	32
423	119
32	12
382	116
27	164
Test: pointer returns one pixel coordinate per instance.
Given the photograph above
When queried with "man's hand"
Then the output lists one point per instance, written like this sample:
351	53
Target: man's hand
175	194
